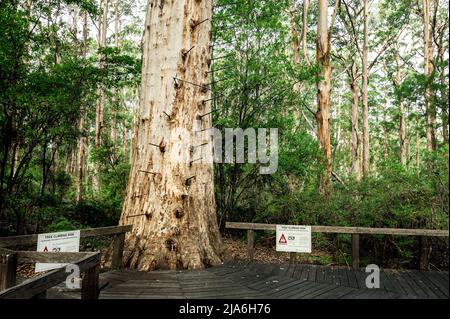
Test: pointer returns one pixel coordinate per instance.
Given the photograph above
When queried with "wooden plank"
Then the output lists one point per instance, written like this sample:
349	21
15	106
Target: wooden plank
320	277
8	267
277	290
295	289
404	284
327	275
39	284
296	274
418	289
89	288
434	281
337	293
349	230
50	257
387	283
84	233
424	286
291	269
312	291
334	271
343	279
312	273
268	282
324	289
361	276
352	280
396	287
305	272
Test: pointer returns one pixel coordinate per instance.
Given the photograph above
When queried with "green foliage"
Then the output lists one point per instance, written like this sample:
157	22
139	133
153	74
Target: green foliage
61	224
46	87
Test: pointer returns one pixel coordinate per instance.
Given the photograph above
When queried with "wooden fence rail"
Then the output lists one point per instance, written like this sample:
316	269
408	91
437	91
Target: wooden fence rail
424	234
87	262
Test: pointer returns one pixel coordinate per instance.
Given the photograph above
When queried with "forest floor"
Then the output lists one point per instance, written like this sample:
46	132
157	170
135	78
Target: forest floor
265	252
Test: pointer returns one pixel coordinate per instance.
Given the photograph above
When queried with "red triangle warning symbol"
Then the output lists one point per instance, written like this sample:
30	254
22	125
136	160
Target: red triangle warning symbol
45	249
282	240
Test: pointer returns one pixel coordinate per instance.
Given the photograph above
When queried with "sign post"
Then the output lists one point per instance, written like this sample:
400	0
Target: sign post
57	242
293	238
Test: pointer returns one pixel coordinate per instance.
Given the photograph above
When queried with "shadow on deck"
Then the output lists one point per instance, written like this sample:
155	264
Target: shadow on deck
240	280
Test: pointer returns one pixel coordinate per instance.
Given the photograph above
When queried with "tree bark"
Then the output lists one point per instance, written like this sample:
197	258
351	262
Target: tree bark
323	116
441	49
417	149
365	104
295	36
171	203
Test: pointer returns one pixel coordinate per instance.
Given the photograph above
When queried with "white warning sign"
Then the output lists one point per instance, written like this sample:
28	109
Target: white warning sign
57	242
293	238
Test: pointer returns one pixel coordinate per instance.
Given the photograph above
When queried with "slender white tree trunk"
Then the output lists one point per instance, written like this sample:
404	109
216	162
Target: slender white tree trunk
428	70
402	128
101	92
82	139
365	103
323	114
355	145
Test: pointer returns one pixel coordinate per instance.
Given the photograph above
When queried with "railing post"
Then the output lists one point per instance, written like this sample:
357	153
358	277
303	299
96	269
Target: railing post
424	261
355	251
8	267
89	288
250	243
117	255
292	257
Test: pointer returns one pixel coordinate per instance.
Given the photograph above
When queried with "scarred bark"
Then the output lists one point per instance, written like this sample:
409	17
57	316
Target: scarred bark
171	204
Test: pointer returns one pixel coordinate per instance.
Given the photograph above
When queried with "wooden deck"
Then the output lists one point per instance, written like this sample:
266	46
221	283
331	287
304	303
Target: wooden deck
237	280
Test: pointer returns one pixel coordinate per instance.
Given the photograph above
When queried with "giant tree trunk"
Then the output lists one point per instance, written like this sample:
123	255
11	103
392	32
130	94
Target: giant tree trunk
354	147
323	115
171	204
365	104
428	70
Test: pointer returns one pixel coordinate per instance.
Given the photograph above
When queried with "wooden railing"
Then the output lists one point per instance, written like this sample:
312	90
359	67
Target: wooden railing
87	262
355	232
